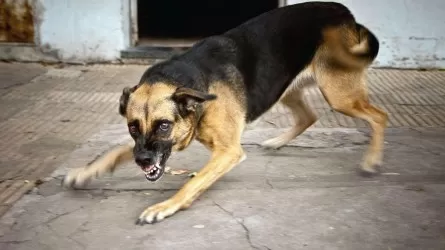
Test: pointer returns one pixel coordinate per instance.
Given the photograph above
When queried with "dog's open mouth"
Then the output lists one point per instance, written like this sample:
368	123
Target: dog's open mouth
153	172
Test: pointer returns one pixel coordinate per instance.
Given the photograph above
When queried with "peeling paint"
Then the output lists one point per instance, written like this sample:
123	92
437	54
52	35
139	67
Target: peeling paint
16	21
82	31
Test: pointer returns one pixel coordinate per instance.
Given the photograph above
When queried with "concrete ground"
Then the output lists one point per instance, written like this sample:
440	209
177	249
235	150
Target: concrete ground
304	196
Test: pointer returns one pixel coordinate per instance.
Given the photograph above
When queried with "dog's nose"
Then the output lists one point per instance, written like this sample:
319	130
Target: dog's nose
143	160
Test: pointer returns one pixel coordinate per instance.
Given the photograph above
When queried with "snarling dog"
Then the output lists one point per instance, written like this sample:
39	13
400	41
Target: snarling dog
224	82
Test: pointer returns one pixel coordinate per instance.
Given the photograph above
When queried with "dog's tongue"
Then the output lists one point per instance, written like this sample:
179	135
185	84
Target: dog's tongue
149	168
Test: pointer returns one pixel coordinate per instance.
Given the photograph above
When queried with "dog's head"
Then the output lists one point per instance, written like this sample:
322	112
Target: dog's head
161	118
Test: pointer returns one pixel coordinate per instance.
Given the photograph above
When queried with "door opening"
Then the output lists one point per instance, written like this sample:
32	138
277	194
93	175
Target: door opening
179	23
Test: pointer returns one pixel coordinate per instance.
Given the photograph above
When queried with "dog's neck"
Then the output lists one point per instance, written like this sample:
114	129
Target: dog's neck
198	113
188	137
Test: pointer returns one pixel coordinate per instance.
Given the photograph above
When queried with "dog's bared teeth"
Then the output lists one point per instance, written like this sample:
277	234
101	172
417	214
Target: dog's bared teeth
154	173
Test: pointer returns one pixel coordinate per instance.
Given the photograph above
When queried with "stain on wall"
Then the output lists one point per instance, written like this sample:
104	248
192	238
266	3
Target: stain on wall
16	21
410	31
85	30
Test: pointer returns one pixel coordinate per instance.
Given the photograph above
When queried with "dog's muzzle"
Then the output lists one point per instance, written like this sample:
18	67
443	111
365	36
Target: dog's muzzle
153	170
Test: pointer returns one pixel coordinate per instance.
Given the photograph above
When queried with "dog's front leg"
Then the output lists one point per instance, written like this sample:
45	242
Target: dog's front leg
221	162
79	177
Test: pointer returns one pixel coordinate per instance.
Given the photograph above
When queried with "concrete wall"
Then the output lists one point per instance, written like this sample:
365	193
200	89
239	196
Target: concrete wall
411	32
85	30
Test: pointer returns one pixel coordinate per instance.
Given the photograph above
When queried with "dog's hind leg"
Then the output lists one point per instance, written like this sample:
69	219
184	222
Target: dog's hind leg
346	92
303	115
107	163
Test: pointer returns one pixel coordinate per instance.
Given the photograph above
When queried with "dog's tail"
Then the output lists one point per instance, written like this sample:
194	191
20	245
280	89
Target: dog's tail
353	45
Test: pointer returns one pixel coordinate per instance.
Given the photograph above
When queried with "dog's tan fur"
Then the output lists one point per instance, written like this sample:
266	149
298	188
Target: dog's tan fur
106	164
222	139
339	74
152	102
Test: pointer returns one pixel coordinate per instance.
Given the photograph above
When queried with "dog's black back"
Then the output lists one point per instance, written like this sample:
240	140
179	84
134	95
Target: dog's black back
260	57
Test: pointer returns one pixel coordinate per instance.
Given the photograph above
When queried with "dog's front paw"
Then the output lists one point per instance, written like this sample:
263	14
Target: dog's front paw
158	212
76	178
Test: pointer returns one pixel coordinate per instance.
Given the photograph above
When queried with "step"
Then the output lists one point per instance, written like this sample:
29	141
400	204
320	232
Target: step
152	52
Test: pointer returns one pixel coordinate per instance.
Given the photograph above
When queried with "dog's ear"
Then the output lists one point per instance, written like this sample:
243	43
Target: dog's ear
188	99
123	101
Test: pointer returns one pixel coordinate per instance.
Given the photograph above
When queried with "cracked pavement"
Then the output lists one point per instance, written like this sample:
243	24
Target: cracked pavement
241	222
304	196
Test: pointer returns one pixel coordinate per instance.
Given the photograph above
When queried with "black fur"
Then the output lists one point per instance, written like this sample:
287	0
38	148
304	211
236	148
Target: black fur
123	100
188	99
260	57
373	43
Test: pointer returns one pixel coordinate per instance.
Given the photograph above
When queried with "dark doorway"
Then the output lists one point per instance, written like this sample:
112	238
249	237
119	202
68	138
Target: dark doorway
179	20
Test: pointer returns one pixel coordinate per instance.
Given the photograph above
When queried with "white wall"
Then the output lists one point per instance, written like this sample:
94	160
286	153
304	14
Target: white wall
85	29
411	32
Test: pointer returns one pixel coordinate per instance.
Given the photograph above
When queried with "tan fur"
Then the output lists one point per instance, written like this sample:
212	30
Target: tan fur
152	102
220	131
106	164
347	93
303	115
343	45
344	88
336	70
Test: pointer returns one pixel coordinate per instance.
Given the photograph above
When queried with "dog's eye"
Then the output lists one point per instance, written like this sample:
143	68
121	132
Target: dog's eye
164	126
133	129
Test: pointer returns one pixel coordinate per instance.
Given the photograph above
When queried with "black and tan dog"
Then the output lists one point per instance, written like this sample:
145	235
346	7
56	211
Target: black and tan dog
224	82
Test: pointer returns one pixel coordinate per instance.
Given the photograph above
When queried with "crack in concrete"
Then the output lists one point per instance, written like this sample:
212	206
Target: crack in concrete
55	217
60	215
266	169
83	246
240	221
68	236
83	225
47	222
14	241
80	228
15	85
